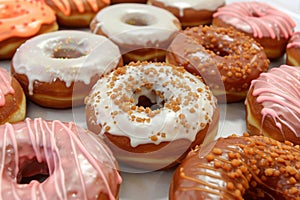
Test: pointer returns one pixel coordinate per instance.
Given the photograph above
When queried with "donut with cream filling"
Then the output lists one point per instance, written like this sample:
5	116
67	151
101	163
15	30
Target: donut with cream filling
21	20
151	114
267	25
66	65
55	160
293	50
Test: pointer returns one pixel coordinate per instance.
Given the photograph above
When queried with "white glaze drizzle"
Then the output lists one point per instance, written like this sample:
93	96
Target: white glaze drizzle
115	110
159	29
60	145
35	57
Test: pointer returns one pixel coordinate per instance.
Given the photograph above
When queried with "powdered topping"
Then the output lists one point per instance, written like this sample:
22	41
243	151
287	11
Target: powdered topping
23	18
192	4
65	5
151	103
66	55
136	24
62	150
257	18
295	40
5	85
278	91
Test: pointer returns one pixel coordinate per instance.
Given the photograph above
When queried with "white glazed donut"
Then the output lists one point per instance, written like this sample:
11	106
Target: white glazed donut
190	12
148	110
59	68
142	31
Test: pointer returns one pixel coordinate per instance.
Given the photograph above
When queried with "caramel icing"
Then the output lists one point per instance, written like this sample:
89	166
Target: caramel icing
65	5
80	166
23	18
278	92
295	40
257	18
5	85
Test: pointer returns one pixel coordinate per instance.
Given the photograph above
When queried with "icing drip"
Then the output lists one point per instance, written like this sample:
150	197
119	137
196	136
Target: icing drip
278	91
184	103
258	18
67	150
23	18
294	41
65	5
5	85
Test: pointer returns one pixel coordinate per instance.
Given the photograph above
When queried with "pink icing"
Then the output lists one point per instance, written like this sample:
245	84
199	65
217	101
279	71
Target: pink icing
5	85
295	40
257	18
75	158
279	92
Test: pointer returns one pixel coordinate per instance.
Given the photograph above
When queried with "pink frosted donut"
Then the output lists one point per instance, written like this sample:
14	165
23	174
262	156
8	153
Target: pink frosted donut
272	104
269	26
55	160
293	50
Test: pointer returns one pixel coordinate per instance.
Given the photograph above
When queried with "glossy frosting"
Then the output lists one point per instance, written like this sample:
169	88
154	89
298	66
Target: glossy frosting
156	30
257	18
65	5
98	55
295	40
194	4
185	104
80	166
23	18
5	85
278	91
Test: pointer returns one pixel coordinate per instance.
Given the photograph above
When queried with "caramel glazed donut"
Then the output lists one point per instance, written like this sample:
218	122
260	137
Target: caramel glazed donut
12	99
227	60
254	167
55	160
151	114
190	12
272	106
293	50
76	13
138	29
267	25
21	20
66	65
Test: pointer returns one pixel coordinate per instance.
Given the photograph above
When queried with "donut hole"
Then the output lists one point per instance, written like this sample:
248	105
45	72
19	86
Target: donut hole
32	170
138	19
148	99
67	53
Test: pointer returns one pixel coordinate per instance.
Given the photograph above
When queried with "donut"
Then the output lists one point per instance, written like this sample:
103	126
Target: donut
21	20
190	12
293	50
272	107
58	69
239	167
12	99
128	1
151	114
267	25
226	59
138	29
76	13
55	160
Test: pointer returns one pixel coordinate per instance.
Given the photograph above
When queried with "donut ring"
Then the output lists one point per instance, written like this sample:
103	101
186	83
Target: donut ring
147	110
76	13
267	25
66	65
60	153
12	99
272	108
137	29
293	50
226	59
21	20
254	167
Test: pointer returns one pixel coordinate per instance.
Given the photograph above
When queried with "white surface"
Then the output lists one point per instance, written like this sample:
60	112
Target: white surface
155	185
